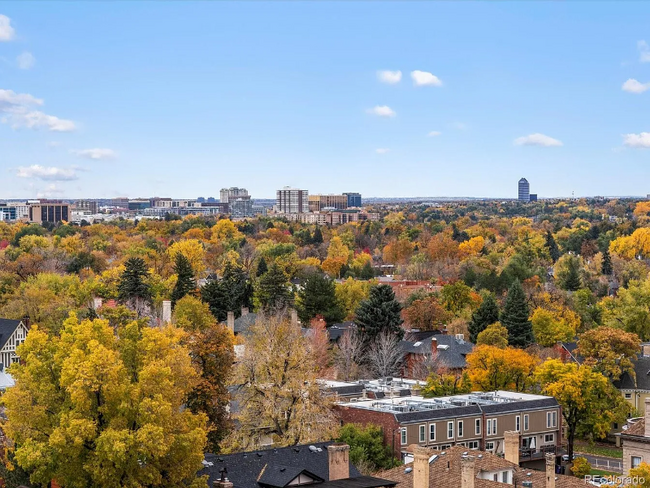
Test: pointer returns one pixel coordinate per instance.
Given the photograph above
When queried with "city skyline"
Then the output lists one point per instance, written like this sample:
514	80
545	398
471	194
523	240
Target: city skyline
393	100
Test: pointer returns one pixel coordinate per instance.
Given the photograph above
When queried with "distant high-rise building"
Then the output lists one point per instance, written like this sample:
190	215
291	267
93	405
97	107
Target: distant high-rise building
524	190
228	194
291	201
533	197
354	199
319	202
51	212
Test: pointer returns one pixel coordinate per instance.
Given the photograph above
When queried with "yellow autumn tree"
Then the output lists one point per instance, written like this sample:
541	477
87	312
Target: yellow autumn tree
193	250
473	247
338	255
636	244
225	229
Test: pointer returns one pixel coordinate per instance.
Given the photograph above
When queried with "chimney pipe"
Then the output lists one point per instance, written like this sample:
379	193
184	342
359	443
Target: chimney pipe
511	448
166	311
420	467
230	322
338	455
550	470
467	474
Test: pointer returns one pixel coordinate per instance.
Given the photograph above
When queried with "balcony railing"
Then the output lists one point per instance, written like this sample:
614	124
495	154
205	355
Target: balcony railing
527	454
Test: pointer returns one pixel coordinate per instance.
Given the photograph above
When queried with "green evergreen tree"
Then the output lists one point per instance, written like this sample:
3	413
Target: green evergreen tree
606	267
229	294
318	297
515	317
571	281
552	247
380	312
261	267
367	272
185	283
318	236
273	291
486	314
134	290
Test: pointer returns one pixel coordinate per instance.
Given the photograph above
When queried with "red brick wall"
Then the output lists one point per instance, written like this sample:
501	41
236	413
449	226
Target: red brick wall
385	420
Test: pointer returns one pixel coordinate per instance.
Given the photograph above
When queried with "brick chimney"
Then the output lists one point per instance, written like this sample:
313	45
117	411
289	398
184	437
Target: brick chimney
230	321
294	317
511	446
550	470
244	311
467	473
434	346
223	482
647	417
420	467
166	311
339	461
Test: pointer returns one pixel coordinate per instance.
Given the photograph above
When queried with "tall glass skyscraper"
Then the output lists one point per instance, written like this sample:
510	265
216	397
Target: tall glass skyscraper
524	190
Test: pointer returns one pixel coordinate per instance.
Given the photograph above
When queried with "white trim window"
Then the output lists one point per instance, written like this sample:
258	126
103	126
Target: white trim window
636	460
518	423
450	430
472	444
477	427
489	446
551	419
491	427
432	432
460	428
526	422
549	438
403	435
423	433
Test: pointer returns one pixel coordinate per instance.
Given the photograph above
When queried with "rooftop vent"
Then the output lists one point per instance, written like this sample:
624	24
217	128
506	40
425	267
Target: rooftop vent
408	470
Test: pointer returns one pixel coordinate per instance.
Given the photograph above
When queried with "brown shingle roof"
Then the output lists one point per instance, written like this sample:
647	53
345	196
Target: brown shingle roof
441	476
636	429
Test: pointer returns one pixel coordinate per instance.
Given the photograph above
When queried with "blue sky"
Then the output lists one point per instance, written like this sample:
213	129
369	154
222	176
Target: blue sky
181	99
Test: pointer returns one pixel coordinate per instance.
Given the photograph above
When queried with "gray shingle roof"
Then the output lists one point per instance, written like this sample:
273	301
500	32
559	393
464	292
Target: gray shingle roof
642	372
243	323
7	327
452	356
244	469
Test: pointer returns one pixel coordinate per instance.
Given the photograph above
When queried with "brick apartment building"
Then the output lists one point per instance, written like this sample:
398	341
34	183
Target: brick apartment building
475	421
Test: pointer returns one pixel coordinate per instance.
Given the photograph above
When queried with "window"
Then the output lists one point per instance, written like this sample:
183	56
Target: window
472	444
549	437
445	446
489	446
460	428
505	478
403	435
636	460
526	422
450	430
477	427
423	433
518	423
628	396
491	426
432	432
495	476
551	419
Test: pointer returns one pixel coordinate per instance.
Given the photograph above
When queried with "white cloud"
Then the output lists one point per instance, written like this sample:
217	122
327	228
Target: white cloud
641	140
382	111
644	51
634	86
537	140
49	191
390	77
47	173
17	109
6	31
382	150
424	78
434	133
26	60
96	153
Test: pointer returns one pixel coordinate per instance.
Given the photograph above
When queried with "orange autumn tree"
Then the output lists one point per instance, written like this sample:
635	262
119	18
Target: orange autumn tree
493	368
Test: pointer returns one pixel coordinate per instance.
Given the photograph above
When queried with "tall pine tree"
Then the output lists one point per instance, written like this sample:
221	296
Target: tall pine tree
380	312
134	290
261	267
318	297
318	236
273	291
185	283
229	294
486	314
571	279
551	245
606	267
515	317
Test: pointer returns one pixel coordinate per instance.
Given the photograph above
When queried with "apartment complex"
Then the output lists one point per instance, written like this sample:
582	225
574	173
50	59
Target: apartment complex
238	200
226	195
475	421
354	199
321	202
292	201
